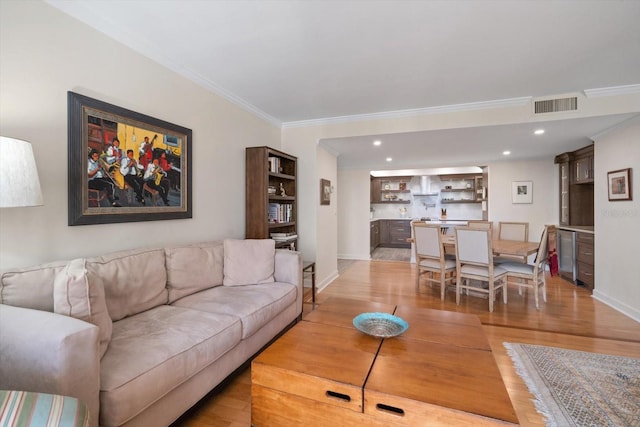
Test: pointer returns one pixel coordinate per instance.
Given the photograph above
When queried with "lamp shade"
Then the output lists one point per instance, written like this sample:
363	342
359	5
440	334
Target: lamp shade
19	183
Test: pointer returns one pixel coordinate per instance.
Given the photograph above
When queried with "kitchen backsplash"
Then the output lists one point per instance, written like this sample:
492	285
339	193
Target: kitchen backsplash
427	206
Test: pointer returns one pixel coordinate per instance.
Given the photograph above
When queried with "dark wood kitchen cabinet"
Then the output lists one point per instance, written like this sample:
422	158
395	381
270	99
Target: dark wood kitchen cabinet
394	233
582	171
375	190
576	187
374	239
585	260
390	190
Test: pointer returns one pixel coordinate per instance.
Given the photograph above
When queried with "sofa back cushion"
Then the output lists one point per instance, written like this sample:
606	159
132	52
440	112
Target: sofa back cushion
248	262
75	296
30	287
193	268
134	281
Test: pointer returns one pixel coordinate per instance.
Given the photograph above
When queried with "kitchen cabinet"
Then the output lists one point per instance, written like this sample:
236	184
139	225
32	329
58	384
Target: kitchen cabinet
564	193
481	192
576	187
395	232
375	190
391	190
461	189
585	260
583	165
374	239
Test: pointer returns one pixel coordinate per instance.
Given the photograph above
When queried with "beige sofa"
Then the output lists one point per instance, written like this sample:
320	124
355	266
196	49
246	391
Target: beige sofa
140	336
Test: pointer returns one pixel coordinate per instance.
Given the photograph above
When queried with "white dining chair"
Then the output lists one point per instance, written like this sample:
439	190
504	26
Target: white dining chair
518	231
530	276
430	257
474	261
513	231
480	224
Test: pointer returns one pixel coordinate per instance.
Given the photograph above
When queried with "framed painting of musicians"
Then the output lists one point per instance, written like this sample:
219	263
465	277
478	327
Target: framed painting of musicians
125	166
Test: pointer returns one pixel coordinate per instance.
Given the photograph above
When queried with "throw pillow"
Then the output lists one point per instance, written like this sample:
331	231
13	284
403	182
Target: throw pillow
75	296
193	268
248	262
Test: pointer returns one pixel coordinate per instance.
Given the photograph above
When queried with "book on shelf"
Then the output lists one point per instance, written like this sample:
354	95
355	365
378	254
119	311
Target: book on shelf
280	212
283	234
285	239
274	164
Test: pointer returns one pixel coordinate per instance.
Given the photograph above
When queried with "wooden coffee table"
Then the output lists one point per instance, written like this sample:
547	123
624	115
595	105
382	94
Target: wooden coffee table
324	372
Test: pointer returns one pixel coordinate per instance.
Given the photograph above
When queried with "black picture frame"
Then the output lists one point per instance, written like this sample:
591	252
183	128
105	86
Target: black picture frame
619	185
92	125
325	192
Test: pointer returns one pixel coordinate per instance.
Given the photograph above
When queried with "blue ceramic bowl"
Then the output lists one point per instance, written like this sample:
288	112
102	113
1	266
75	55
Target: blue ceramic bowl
381	325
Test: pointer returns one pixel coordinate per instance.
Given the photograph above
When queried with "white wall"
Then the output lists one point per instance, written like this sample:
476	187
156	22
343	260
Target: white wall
327	219
544	209
353	214
617	224
45	53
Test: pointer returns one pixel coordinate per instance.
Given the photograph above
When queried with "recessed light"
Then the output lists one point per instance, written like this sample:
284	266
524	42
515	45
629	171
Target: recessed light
506	153
377	142
539	131
389	159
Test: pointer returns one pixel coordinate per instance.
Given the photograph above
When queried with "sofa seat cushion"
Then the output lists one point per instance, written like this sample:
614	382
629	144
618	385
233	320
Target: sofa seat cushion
155	351
255	305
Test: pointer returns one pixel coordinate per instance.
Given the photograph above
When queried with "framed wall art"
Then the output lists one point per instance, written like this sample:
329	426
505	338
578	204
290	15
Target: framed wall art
619	185
325	192
124	166
522	192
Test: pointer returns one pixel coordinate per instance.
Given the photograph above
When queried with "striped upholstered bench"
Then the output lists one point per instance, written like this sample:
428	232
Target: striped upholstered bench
23	408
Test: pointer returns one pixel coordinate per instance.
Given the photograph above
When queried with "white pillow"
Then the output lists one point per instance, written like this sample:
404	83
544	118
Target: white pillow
248	262
75	296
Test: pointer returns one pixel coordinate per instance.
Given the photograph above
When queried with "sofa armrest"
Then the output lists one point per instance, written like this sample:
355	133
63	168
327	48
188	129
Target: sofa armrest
288	268
50	353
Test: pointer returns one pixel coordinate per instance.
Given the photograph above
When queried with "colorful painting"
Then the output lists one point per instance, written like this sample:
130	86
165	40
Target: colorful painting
125	166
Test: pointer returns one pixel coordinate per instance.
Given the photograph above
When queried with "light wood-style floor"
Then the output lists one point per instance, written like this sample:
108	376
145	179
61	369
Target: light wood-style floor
570	319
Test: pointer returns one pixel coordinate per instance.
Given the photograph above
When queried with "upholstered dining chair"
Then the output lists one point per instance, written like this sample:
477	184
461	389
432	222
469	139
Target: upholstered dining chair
518	231
474	261
513	231
480	224
430	257
530	276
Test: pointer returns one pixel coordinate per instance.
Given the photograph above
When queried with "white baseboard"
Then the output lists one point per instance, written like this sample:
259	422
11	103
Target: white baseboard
617	305
327	281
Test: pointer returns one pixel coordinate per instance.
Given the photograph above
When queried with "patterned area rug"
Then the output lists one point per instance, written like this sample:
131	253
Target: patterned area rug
575	388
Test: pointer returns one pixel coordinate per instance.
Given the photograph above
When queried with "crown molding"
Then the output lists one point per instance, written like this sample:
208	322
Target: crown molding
620	125
454	108
612	91
218	90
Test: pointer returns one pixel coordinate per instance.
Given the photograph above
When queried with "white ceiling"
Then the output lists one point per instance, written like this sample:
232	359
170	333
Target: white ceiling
291	61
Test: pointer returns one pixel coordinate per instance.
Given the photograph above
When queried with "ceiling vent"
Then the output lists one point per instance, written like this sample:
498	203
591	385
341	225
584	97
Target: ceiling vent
555	105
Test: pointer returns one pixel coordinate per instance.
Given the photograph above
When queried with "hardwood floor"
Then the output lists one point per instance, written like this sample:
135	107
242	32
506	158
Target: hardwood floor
569	319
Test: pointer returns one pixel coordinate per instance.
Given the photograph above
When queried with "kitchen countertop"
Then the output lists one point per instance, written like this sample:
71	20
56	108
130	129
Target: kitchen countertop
581	228
437	221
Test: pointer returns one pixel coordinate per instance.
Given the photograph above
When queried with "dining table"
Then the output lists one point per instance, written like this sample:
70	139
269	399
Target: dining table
502	247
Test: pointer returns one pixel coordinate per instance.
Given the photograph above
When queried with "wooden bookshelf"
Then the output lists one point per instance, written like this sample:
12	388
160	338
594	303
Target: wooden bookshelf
271	212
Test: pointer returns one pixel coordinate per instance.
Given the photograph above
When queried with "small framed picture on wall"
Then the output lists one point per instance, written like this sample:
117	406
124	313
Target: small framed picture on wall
325	192
619	184
522	192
